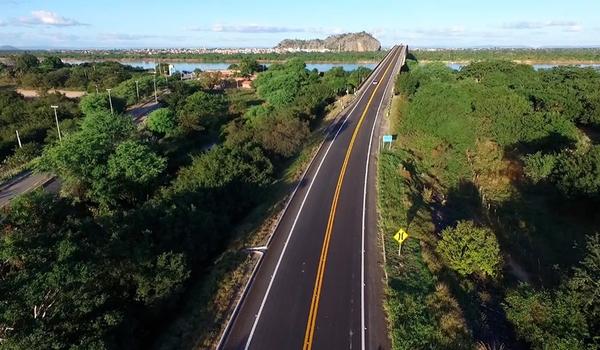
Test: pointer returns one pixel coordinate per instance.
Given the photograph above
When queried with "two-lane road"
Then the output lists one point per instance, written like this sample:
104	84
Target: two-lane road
319	285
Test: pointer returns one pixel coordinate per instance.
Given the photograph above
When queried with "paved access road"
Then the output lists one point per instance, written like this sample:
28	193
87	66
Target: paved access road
314	288
28	181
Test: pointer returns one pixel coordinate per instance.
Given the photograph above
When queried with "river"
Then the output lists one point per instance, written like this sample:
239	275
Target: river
191	66
321	67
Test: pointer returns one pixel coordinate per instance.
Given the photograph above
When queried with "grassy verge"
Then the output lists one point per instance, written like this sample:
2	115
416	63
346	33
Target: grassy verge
422	311
212	298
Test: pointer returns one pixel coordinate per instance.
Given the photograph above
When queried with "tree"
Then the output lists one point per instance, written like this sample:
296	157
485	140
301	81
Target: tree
538	166
209	80
51	63
280	84
56	78
25	63
337	78
421	75
578	173
134	162
282	135
469	249
201	111
96	103
586	283
358	75
248	66
222	166
55	290
161	121
547	320
69	282
81	159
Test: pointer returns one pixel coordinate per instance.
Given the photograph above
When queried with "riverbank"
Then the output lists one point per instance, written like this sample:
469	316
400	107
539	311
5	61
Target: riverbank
529	62
201	60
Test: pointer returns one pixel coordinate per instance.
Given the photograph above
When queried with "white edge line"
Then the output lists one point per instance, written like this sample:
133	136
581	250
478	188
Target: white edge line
284	210
298	215
362	255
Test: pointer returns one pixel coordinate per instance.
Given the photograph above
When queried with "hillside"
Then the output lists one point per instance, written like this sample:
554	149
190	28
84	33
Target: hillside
358	42
8	48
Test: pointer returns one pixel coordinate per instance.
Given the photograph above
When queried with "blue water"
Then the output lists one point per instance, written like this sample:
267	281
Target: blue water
458	66
191	66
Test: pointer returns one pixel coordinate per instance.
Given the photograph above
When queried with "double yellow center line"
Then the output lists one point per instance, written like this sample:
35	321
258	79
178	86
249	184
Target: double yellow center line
314	305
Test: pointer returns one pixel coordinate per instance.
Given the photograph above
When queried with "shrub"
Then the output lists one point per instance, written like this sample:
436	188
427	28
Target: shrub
469	249
161	121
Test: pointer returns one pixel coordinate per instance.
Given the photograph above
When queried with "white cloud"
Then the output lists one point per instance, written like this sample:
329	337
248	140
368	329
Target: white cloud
47	18
127	38
254	28
568	26
265	29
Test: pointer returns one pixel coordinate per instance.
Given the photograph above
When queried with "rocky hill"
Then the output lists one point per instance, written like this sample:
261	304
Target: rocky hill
362	41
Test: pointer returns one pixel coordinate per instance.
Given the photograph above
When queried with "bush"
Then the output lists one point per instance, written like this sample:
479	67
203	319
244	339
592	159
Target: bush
201	111
547	320
161	121
95	103
282	136
539	166
22	155
578	174
469	249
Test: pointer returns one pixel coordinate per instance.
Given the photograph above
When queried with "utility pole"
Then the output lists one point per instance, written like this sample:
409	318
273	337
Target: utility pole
110	102
56	119
155	93
137	89
18	139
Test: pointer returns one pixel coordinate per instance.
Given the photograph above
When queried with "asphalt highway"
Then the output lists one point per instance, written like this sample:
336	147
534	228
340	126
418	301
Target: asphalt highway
319	284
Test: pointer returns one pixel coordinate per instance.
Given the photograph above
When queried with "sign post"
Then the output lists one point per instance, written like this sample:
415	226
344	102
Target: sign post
400	237
387	139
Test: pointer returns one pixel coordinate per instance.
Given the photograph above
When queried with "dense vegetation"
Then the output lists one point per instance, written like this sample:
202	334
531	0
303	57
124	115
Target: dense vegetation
533	55
373	56
495	173
27	71
144	213
34	119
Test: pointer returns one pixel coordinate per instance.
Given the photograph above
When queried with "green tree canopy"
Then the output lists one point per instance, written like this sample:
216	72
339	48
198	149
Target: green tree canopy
586	283
201	111
55	290
95	103
469	249
547	320
281	135
248	66
51	63
69	282
578	174
135	162
101	163
25	63
161	121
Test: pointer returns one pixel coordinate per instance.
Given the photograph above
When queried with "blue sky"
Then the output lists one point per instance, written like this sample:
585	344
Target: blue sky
263	23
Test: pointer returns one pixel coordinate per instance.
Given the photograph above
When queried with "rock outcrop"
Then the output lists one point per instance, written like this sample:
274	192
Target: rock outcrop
359	42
